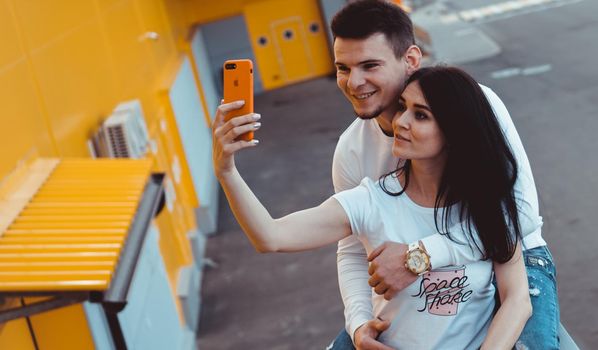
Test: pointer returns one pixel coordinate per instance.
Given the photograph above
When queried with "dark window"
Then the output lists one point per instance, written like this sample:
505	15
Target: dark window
262	41
314	27
288	34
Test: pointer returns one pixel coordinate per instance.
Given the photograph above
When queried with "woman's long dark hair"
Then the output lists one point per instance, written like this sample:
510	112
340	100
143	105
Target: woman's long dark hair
480	170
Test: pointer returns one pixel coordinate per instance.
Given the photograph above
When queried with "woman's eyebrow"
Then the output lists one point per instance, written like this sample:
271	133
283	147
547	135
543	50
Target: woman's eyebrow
423	107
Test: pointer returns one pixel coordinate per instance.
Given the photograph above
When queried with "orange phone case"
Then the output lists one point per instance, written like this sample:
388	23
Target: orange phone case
238	85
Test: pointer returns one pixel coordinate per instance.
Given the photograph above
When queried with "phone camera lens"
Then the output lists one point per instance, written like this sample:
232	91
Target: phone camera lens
230	66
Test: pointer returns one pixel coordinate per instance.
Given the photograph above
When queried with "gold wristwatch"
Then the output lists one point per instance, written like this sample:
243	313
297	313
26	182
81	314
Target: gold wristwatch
417	259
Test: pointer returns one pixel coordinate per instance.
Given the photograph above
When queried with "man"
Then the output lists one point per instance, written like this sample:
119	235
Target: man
374	55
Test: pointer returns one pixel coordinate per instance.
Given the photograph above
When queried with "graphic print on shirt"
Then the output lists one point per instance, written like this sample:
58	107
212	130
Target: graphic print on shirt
442	290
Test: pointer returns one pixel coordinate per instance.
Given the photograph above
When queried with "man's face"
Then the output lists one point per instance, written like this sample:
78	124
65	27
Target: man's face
370	75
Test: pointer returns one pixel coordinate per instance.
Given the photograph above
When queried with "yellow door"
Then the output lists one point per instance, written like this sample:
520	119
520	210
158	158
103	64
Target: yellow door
292	49
288	39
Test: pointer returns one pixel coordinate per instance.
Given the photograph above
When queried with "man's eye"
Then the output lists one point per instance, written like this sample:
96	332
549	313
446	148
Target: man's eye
370	65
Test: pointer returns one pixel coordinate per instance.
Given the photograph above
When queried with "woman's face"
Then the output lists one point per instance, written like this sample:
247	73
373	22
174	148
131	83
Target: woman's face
417	135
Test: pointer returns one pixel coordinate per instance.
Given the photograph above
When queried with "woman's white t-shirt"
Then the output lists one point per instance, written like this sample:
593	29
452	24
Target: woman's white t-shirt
447	308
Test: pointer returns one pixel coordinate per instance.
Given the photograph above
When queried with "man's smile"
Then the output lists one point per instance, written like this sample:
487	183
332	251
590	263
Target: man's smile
364	95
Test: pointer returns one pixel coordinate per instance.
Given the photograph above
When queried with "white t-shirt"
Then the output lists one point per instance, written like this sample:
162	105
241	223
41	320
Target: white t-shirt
363	150
446	308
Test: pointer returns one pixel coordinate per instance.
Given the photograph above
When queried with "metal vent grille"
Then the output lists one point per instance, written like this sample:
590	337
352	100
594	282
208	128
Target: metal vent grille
119	148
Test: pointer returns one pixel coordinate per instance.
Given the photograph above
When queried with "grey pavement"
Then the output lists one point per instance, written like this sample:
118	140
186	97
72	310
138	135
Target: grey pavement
279	301
545	73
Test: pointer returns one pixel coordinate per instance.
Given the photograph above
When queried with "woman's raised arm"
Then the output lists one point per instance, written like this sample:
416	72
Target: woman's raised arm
302	230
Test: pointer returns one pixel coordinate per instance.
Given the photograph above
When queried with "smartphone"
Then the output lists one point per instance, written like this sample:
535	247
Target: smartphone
238	85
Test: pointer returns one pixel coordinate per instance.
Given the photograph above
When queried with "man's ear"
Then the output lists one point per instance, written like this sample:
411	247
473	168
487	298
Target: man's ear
413	57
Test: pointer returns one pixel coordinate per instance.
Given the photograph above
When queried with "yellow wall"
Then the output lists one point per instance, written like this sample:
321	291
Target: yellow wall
193	12
15	334
65	64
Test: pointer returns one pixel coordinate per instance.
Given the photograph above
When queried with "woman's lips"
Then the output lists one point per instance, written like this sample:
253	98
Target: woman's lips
400	138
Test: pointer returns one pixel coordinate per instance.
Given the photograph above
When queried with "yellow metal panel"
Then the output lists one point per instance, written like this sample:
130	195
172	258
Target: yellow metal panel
132	58
76	84
202	11
173	147
317	40
65	329
24	133
44	21
181	224
174	245
18	189
50	239
184	216
38	251
290	41
292	51
15	334
55	266
57	257
154	19
105	5
10	50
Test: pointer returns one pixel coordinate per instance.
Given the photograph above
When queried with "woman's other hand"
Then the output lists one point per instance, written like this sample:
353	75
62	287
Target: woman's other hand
225	133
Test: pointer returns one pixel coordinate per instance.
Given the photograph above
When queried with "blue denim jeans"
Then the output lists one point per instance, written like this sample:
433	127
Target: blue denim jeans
341	342
541	330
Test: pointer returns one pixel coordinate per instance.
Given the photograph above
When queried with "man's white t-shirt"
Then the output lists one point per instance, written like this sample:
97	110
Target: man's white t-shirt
363	150
446	308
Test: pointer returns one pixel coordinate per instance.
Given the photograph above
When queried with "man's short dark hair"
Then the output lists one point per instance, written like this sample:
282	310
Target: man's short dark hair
363	18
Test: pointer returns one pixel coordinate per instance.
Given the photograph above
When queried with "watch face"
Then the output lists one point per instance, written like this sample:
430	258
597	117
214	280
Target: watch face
417	261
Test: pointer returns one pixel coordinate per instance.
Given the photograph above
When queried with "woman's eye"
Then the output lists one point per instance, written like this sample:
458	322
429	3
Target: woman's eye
401	107
370	66
420	116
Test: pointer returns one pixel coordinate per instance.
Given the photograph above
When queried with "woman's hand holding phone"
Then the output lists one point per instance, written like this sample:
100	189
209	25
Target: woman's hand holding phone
225	136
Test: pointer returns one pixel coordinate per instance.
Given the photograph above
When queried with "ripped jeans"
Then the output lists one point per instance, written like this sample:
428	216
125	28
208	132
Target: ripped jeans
541	330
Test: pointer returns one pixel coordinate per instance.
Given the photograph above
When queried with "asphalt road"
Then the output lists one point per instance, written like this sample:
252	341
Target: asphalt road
555	112
545	74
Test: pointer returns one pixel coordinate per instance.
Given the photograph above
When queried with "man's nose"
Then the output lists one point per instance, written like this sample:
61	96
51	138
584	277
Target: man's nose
355	80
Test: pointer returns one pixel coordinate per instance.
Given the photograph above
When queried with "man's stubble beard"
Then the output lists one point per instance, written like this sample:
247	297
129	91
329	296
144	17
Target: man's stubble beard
368	116
380	109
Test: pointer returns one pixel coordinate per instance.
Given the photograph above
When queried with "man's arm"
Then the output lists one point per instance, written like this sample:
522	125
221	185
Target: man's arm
352	262
389	275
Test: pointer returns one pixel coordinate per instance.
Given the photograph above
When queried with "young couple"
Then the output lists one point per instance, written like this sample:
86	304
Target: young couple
434	200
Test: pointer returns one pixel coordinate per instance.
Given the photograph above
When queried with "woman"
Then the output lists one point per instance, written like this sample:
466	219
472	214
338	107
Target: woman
456	167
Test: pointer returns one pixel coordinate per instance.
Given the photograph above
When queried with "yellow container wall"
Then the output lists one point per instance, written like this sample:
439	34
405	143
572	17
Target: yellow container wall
24	134
287	59
15	334
64	65
65	329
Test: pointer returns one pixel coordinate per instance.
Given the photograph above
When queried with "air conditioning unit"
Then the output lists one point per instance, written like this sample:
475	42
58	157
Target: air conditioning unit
124	132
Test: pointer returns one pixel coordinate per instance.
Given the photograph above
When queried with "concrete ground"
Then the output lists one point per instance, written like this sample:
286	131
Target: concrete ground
279	301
